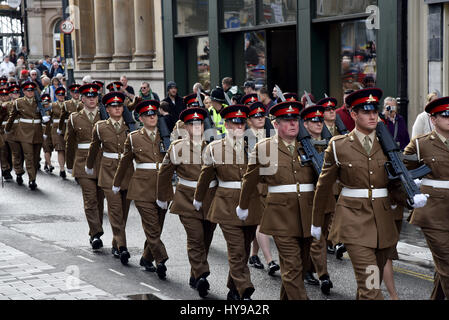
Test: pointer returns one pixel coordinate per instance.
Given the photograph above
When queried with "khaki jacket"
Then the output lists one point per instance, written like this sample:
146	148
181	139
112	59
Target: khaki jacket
55	114
435	154
225	202
286	214
183	199
26	132
106	139
143	184
68	108
362	221
12	133
79	131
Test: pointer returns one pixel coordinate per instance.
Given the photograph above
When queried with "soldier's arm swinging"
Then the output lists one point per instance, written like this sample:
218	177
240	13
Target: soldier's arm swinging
71	147
94	148
125	163
206	176
12	116
250	179
165	175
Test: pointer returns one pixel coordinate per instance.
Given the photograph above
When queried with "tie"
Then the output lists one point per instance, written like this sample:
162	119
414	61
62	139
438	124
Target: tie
291	148
117	126
91	117
367	144
153	136
238	147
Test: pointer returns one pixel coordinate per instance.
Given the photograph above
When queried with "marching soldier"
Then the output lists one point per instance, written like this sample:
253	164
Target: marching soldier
57	109
73	105
47	145
287	216
78	137
144	147
109	136
130	104
190	101
227	160
185	157
5	151
433	150
29	131
11	139
363	218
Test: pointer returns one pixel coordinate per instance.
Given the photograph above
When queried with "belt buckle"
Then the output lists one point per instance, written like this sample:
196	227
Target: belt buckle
370	194
119	156
298	188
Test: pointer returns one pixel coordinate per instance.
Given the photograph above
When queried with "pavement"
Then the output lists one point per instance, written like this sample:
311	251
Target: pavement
45	255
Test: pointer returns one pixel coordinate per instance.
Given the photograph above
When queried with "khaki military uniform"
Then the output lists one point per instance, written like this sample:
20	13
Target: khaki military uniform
198	228
57	140
142	188
4	148
14	145
68	108
287	216
78	138
111	143
434	217
238	234
364	224
29	132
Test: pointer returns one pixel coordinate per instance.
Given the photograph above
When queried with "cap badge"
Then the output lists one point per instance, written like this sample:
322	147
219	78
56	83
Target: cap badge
371	99
240	113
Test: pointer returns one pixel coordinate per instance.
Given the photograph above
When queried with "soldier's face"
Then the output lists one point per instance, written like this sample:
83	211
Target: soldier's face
314	128
257	123
15	96
75	96
195	129
4	98
28	94
287	129
330	115
115	111
441	123
60	98
235	129
90	102
365	120
149	121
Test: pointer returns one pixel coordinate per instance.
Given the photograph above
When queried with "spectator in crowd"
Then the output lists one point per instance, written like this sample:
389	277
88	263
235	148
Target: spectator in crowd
55	84
146	93
236	99
345	112
423	125
32	66
7	67
175	102
55	69
35	78
13	56
304	100
264	97
207	102
396	123
46	83
47	63
41	67
87	79
23	77
24	53
249	87
62	80
198	86
20	66
207	87
129	89
229	88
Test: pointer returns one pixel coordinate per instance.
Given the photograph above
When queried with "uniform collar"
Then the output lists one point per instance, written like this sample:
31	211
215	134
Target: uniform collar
361	136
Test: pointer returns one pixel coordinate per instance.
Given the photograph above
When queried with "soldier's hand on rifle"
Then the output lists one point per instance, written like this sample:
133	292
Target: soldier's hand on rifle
197	205
420	200
90	172
316	232
115	189
418	182
242	214
162	204
45	137
45	119
59	132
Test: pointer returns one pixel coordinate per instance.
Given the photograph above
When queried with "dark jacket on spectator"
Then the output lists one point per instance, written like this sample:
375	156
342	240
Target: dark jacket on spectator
346	118
399	131
175	110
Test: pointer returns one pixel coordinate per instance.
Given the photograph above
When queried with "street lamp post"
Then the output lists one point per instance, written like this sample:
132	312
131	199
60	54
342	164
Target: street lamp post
68	46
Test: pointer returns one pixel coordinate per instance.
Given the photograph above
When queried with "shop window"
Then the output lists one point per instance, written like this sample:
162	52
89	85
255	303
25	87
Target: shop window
330	8
435	47
277	11
192	16
203	62
239	13
255	57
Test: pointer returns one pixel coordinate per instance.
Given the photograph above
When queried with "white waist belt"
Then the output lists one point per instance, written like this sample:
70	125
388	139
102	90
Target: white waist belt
84	146
364	193
109	155
193	184
57	121
230	184
292	188
147	166
435	183
4	123
30	120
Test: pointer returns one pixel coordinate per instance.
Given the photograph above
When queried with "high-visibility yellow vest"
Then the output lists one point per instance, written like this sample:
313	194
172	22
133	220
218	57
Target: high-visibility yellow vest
218	121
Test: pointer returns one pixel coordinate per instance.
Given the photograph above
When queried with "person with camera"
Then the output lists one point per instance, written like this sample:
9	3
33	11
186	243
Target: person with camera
395	122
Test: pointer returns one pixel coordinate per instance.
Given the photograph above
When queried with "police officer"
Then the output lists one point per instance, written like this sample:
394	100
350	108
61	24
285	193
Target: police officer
185	157
218	104
363	218
287	216
78	138
227	160
109	137
29	131
144	147
433	150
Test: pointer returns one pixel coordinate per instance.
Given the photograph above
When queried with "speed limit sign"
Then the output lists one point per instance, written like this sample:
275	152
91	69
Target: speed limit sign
67	27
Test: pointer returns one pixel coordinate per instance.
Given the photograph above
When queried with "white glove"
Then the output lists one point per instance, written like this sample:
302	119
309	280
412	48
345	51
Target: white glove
316	232
115	189
45	137
69	171
197	205
45	119
162	205
242	214
394	207
420	200
90	172
418	182
59	132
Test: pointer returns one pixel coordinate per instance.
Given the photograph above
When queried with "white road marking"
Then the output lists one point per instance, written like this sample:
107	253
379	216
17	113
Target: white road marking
81	257
59	248
151	287
35	238
116	272
15	229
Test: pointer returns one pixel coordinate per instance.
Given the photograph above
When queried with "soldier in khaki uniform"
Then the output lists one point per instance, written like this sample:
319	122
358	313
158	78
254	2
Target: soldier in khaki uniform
78	138
433	150
144	147
70	106
363	218
29	132
109	137
5	151
287	216
47	146
57	108
185	157
227	160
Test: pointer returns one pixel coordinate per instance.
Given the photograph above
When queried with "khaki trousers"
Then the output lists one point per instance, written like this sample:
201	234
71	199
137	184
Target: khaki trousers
5	157
153	219
31	152
238	241
93	198
118	209
318	249
294	257
17	157
199	237
364	260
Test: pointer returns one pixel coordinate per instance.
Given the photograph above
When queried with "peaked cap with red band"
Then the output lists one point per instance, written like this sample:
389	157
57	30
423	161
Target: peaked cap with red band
75	88
147	108
290	97
365	99
3	81
45	98
90	90
191	100
328	103
314	113
193	114
99	83
4	92
287	110
60	91
439	106
237	113
114	86
28	86
249	99
257	110
14	88
113	99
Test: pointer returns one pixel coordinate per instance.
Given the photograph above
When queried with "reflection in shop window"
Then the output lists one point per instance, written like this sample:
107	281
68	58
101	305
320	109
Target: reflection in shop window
277	11
240	13
358	56
255	59
330	8
192	16
203	62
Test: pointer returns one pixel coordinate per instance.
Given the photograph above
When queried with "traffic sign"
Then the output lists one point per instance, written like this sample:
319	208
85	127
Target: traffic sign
67	27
